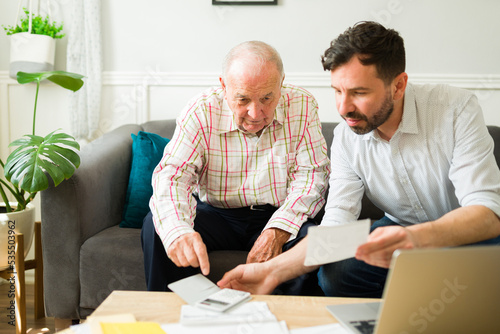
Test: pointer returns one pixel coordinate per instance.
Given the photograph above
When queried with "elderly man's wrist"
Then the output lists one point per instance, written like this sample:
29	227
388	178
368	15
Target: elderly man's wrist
280	235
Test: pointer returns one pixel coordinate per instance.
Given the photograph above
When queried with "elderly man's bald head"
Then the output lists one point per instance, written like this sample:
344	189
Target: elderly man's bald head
252	53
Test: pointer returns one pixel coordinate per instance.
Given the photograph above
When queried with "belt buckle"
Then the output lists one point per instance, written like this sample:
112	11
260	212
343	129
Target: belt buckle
254	207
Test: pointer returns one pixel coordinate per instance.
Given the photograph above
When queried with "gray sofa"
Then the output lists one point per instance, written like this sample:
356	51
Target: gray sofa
86	255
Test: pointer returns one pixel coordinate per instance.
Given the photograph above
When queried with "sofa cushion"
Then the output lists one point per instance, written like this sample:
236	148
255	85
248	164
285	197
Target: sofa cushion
147	151
110	260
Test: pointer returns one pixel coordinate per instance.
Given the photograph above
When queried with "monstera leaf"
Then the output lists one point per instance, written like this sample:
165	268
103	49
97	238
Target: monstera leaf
37	158
68	80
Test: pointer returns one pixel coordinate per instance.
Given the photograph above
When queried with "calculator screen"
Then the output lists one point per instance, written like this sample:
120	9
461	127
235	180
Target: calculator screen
209	301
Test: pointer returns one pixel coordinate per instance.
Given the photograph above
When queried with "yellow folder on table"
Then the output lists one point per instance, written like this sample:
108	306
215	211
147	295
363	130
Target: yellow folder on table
132	328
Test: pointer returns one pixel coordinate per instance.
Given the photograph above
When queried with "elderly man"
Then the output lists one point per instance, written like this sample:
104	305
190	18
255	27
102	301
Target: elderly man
422	154
246	169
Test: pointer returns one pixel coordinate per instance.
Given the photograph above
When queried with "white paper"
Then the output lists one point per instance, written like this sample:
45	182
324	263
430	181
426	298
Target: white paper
327	244
270	327
251	312
323	329
193	288
83	328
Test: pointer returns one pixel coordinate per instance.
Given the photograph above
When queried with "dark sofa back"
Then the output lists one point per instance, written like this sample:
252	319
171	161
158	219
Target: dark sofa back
495	134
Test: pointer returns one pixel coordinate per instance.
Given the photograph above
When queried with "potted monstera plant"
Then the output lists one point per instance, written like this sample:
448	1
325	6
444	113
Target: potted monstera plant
28	168
33	43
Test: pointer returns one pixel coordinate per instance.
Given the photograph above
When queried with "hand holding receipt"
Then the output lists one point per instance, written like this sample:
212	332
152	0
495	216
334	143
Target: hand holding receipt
327	244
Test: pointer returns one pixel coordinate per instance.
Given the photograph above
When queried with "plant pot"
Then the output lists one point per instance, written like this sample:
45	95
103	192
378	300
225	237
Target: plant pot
11	224
31	53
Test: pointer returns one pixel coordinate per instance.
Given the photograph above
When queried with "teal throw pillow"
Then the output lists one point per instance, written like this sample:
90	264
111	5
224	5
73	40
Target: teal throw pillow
147	151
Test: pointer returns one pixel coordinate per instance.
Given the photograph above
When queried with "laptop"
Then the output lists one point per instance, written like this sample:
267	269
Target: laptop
446	290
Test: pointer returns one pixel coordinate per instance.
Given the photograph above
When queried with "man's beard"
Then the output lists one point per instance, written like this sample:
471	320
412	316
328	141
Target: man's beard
376	120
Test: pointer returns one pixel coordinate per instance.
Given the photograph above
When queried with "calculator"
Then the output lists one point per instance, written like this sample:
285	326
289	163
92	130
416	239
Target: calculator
223	300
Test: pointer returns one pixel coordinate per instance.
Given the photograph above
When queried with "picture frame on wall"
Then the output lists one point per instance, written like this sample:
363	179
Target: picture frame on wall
244	2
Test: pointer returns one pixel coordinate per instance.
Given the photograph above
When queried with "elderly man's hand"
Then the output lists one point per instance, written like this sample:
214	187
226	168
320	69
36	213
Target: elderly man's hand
189	250
382	242
268	245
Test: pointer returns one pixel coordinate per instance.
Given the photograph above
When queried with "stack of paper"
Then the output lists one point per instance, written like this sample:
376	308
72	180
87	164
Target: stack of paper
249	312
323	329
253	317
260	327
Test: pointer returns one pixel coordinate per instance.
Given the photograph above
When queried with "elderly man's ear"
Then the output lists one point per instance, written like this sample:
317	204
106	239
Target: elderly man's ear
221	80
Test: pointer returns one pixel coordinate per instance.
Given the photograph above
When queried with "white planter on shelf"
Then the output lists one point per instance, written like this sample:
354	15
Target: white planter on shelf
11	224
31	53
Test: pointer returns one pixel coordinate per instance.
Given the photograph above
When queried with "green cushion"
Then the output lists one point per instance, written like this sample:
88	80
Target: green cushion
147	151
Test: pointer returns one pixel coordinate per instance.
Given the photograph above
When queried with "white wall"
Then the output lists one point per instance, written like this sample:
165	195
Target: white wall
192	35
447	41
158	53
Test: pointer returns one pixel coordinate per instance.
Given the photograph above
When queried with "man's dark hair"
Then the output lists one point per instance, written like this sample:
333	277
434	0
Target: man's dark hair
373	44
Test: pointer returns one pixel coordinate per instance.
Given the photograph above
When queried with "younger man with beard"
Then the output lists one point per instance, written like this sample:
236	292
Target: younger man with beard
422	154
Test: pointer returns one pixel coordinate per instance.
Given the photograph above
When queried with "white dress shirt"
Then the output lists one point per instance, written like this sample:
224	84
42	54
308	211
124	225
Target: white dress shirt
440	158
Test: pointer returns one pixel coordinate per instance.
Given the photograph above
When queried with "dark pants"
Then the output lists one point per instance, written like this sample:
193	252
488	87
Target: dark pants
354	278
220	229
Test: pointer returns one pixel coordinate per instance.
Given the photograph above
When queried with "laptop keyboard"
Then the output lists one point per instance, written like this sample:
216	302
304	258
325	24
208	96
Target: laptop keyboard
364	326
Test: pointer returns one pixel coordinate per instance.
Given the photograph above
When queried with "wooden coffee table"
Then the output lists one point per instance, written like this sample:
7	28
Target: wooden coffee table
164	307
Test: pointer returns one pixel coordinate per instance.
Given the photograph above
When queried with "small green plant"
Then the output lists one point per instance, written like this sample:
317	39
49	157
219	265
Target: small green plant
36	158
39	26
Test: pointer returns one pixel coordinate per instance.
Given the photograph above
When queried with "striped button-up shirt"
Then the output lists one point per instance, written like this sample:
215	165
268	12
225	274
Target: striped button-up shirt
286	166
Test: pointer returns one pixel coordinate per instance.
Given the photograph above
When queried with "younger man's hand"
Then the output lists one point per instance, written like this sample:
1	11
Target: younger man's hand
254	278
382	242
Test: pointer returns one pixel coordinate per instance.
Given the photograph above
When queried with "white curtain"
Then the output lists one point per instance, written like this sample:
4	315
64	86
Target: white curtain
84	57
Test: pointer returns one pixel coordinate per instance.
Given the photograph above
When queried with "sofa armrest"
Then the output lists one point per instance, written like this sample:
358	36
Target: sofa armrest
90	201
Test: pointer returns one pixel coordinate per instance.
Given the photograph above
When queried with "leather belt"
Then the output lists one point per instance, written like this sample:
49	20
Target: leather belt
265	207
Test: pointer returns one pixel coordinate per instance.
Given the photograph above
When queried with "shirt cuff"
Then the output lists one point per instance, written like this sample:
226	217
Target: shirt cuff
173	234
334	217
487	199
287	222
